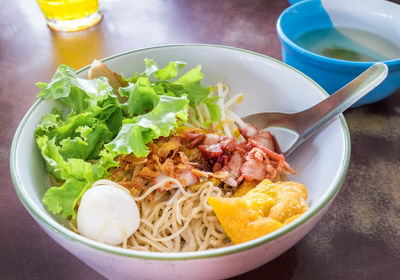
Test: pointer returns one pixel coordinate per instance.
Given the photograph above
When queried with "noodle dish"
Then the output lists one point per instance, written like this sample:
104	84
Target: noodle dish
159	162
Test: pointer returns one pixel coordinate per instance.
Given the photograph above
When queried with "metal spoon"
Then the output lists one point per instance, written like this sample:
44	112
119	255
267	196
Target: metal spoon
291	130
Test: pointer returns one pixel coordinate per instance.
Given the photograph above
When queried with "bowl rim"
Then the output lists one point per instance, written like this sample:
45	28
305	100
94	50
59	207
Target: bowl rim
58	229
317	58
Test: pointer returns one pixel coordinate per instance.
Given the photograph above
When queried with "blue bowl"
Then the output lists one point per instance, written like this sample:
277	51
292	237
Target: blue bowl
376	16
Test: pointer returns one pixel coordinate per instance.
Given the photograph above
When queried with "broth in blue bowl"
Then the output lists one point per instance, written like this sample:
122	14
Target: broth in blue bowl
333	41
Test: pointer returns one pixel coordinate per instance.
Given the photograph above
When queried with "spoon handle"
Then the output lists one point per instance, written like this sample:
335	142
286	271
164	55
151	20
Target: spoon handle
321	113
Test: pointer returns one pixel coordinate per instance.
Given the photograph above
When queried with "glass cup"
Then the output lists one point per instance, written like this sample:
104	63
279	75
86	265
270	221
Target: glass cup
70	15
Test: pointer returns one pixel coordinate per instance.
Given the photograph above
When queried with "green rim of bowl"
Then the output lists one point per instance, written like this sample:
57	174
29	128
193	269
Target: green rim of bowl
56	228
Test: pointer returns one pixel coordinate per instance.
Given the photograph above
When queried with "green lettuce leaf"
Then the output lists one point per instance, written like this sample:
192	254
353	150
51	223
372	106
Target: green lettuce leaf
61	200
81	95
151	67
189	84
167	73
78	175
79	144
142	97
169	113
170	71
67	143
132	79
79	136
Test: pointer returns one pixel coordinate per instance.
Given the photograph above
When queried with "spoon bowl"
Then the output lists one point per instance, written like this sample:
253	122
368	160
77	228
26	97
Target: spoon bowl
293	129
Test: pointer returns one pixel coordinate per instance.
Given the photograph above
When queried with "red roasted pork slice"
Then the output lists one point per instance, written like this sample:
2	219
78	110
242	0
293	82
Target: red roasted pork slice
253	169
194	139
234	164
211	151
263	138
248	130
233	168
211	139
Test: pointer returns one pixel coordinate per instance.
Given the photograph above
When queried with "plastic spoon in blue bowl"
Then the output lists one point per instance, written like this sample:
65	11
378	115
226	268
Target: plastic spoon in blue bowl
291	130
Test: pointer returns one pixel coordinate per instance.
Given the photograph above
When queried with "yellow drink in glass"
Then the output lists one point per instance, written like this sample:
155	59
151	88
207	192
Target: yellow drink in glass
70	15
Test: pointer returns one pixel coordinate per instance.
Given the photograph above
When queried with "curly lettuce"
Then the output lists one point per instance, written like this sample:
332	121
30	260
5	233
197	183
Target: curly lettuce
189	85
169	113
79	144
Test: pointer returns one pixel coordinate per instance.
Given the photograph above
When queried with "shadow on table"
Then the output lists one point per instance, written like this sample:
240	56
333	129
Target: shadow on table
281	268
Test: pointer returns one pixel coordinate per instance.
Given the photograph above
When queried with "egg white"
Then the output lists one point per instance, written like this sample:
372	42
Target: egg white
107	214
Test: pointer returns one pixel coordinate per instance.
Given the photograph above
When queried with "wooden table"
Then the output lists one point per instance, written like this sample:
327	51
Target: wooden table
359	238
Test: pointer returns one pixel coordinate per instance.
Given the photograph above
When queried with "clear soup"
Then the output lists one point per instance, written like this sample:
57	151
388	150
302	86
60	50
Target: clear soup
348	44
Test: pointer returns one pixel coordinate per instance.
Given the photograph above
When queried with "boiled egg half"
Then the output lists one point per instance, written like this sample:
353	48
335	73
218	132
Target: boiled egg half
107	213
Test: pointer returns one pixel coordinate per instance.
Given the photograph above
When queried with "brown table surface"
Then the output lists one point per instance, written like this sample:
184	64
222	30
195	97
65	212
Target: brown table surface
359	237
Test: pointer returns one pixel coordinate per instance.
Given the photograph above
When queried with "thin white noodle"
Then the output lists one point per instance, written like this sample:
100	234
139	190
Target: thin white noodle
179	217
161	184
173	197
186	224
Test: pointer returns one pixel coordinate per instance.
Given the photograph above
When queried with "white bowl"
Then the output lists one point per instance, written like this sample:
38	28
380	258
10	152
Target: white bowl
269	85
